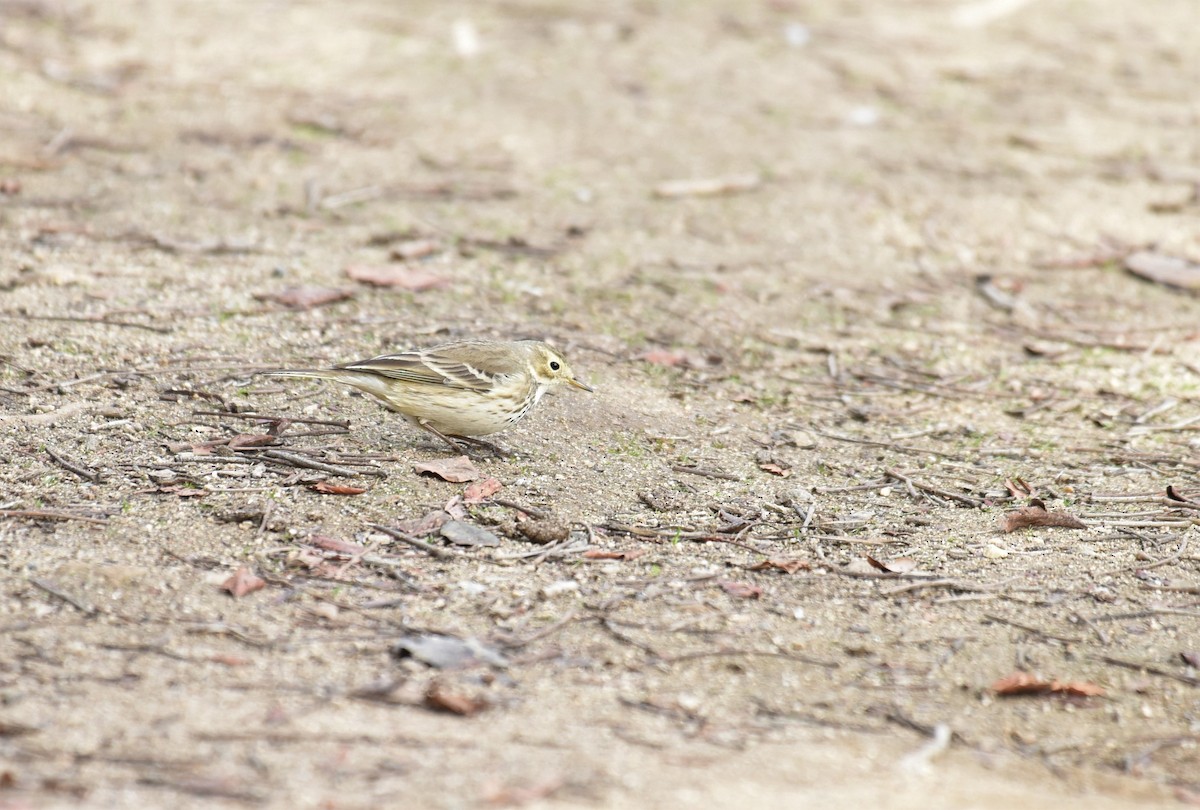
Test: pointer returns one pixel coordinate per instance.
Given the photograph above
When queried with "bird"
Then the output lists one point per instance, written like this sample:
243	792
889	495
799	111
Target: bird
457	391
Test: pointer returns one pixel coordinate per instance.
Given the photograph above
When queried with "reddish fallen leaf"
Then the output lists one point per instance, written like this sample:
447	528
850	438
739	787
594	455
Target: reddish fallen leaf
428	523
742	590
1189	797
229	660
234	443
626	556
415	249
396	275
665	357
1170	271
456	470
780	564
480	490
1022	683
1037	516
1191	658
498	795
775	469
326	488
243	582
306	296
1018	488
251	440
439	697
333	544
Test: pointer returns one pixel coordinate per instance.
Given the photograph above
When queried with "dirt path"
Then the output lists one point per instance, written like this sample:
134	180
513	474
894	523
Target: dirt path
851	287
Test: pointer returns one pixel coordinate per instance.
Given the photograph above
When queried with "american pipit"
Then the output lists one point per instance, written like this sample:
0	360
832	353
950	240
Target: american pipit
460	390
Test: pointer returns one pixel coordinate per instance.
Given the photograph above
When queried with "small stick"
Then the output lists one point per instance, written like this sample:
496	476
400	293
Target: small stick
162	330
297	460
1029	629
705	472
1153	670
440	553
529	510
932	490
82	472
42	514
55	591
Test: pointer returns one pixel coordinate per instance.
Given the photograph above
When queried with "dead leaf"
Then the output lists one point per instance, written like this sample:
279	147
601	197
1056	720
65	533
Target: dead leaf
251	440
1037	516
447	652
242	582
1018	488
439	696
396	275
228	660
1023	683
775	469
456	470
462	533
306	296
741	590
708	186
455	508
428	523
626	556
415	249
326	488
339	546
1170	271
781	564
481	490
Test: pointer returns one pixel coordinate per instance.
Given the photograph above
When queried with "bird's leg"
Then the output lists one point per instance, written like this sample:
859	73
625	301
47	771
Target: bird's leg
458	448
496	449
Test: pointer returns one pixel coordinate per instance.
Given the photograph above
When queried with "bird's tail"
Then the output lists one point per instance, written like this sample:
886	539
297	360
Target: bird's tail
369	383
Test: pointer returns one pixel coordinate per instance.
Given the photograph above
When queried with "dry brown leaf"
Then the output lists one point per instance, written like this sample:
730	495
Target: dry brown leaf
415	249
426	524
326	488
242	582
251	440
457	470
1022	683
780	564
333	544
439	697
775	469
1170	271
665	357
306	296
1018	488
228	660
396	275
626	556
741	590
1037	516
481	490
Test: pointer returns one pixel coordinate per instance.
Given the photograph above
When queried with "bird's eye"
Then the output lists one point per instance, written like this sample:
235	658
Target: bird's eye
554	365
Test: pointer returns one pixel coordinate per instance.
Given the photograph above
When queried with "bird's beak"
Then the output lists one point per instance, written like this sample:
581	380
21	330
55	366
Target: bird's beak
581	386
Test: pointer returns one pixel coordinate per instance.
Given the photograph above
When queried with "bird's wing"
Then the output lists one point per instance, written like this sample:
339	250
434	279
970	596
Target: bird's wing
440	366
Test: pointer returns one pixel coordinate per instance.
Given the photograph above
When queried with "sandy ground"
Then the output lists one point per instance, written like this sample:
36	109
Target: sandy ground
849	279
